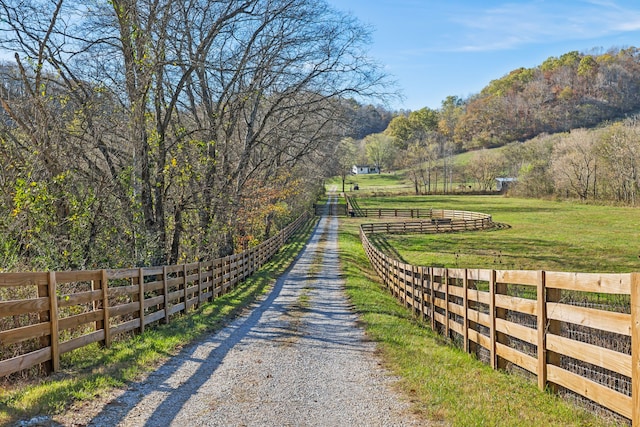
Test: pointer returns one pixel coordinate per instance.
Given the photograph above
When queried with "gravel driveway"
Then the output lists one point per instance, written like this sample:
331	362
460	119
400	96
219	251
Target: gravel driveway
297	359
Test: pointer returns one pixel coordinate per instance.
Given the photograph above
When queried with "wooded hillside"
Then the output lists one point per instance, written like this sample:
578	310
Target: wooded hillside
557	120
573	91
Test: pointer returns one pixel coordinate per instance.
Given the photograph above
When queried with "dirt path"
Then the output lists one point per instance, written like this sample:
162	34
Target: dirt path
298	359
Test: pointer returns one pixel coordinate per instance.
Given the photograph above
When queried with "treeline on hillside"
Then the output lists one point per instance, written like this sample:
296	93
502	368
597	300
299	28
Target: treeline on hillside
147	133
573	91
600	164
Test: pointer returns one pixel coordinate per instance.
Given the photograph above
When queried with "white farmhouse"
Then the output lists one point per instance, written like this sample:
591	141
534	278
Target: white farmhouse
364	169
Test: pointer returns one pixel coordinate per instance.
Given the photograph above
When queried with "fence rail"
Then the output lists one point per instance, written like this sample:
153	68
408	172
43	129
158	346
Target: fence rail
61	311
390	212
440	221
572	331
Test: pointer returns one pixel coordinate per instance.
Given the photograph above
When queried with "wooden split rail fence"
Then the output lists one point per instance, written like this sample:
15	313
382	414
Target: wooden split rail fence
65	310
391	212
575	332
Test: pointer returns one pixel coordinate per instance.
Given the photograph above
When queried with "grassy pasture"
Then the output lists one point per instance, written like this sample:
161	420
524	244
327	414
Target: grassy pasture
445	385
541	235
399	181
395	182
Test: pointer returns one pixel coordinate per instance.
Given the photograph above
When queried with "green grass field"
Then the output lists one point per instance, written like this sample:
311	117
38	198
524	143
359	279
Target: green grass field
445	385
542	235
389	183
399	181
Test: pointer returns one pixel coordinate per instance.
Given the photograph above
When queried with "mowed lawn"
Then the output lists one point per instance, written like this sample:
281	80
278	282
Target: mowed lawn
537	235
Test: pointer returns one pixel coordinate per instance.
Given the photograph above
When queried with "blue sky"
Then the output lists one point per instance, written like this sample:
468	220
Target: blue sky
437	48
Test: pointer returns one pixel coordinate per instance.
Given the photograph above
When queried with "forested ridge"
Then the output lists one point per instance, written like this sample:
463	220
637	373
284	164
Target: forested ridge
575	90
572	91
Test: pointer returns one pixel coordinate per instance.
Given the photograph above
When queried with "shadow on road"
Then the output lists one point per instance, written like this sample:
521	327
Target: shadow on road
197	363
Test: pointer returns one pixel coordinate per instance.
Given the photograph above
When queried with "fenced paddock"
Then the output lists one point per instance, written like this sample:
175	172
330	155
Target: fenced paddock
571	332
52	313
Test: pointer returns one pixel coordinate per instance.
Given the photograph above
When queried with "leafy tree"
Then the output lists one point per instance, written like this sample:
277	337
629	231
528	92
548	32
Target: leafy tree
380	150
401	130
450	112
412	127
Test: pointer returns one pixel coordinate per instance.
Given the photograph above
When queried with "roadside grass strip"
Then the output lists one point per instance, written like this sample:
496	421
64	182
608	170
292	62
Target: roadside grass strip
92	371
445	384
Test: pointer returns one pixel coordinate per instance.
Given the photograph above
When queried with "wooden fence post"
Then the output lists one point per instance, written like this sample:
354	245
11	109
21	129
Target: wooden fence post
500	313
53	314
445	279
422	294
492	313
465	312
105	307
166	292
405	285
200	289
184	284
432	297
96	285
226	269
635	349
141	297
45	317
414	279
542	331
553	327
396	278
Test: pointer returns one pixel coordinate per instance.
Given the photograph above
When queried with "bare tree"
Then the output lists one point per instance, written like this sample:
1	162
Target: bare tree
575	163
179	108
619	150
484	168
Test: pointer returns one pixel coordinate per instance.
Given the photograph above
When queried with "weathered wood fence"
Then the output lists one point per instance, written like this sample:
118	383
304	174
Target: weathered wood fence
573	331
61	311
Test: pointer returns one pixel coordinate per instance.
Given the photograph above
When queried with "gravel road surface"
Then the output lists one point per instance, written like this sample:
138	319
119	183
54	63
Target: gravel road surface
297	358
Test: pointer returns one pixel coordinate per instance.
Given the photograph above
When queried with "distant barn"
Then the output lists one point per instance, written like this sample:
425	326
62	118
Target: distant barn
502	184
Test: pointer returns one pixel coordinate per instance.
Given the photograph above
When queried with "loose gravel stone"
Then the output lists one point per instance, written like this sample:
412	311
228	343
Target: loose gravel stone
297	359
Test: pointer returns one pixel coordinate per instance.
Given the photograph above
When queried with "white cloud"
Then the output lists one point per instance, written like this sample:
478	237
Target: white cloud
512	25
